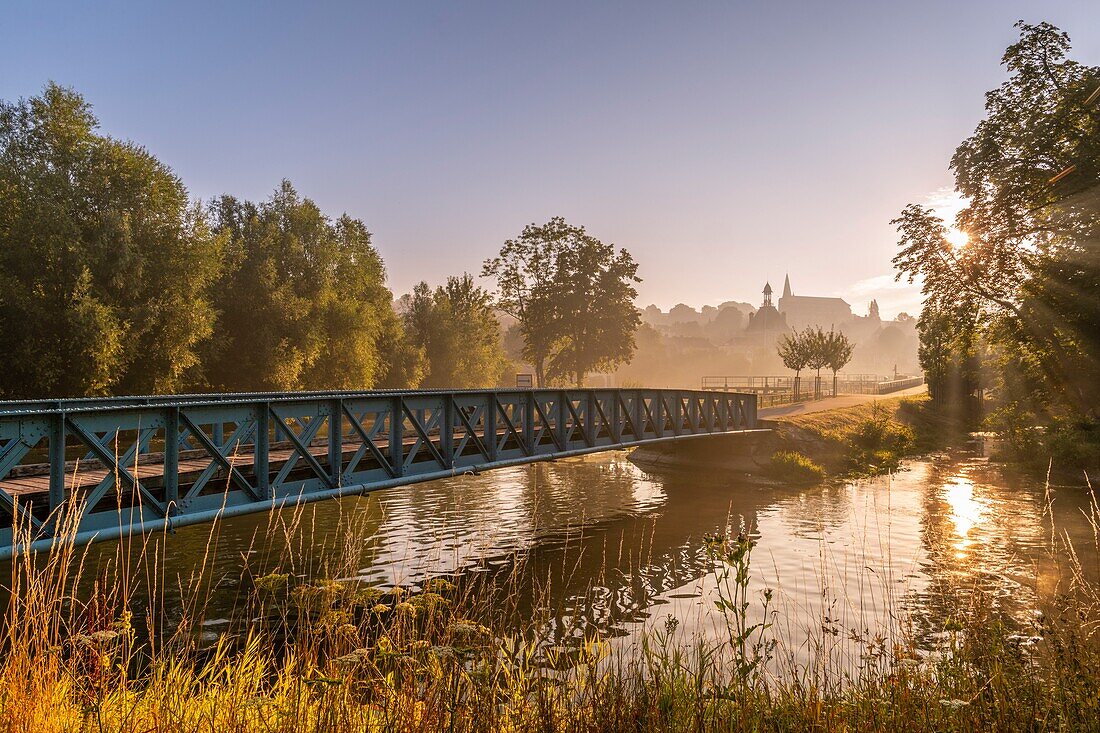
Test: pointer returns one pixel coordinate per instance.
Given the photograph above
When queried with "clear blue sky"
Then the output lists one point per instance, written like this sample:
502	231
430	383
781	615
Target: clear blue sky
722	143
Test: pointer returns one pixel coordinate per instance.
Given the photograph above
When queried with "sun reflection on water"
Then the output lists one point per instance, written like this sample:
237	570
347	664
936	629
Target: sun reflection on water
966	511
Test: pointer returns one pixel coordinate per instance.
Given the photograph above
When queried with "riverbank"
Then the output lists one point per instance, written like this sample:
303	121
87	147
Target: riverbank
838	436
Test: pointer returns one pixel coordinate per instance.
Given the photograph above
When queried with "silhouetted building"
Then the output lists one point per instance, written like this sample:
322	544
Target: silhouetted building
767	317
809	310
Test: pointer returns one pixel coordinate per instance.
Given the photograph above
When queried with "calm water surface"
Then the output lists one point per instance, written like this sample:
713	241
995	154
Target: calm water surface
616	549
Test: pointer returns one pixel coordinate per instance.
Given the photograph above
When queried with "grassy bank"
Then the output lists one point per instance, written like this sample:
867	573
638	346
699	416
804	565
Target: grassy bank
306	649
863	439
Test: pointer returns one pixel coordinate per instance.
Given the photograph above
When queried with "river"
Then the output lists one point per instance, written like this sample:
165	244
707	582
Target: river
606	547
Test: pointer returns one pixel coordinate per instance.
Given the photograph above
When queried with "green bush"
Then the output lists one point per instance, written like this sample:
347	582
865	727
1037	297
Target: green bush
1074	447
878	443
795	468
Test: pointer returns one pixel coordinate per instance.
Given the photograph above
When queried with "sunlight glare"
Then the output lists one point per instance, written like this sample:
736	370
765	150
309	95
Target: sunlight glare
966	511
957	238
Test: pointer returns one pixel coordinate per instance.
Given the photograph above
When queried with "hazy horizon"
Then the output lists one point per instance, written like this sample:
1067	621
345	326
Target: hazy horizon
723	146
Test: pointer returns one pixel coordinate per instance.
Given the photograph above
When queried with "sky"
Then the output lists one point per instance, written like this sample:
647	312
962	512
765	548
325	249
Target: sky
723	144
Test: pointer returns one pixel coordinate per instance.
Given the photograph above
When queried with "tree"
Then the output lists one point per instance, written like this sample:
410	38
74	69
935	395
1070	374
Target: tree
104	263
817	345
592	301
838	352
458	331
728	323
948	352
794	350
573	296
302	299
523	271
1028	174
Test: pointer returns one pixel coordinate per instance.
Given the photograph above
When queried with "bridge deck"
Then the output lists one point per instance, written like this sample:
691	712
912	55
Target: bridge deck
137	464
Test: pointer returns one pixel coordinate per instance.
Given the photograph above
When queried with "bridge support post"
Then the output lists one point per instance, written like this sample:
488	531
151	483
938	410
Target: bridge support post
491	425
172	459
57	461
447	430
659	414
397	438
590	417
616	421
262	450
563	418
336	442
529	421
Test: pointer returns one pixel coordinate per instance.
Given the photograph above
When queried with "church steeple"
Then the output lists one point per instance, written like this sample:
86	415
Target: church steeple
767	295
787	286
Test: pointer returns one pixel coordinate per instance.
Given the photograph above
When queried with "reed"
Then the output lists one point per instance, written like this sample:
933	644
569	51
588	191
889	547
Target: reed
309	648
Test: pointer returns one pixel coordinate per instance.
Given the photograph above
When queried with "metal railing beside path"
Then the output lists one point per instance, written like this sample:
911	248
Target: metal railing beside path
785	389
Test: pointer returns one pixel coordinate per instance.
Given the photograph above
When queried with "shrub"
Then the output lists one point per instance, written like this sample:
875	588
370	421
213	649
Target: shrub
795	468
878	443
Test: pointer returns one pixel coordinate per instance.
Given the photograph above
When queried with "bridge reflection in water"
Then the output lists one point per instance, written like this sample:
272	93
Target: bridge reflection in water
115	466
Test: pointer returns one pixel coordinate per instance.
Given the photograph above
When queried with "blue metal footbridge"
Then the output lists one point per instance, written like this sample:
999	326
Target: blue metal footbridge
97	469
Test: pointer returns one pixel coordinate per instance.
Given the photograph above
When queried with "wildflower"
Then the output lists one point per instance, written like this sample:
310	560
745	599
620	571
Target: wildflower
468	632
439	586
272	582
104	636
430	601
405	609
352	659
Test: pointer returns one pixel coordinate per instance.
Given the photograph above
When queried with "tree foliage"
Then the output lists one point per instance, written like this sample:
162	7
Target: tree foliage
838	350
302	299
1029	174
794	350
458	332
814	348
104	262
573	296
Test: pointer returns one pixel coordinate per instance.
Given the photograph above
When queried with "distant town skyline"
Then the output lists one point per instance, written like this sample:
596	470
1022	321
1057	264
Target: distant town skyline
725	145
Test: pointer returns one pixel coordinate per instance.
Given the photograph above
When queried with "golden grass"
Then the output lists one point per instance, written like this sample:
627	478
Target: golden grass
306	651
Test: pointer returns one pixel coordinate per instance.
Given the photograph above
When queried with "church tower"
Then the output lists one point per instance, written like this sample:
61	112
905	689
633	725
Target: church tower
767	318
787	286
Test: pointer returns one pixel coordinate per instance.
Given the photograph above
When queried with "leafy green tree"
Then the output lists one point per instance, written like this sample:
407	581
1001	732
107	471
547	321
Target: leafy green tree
592	300
458	331
573	296
838	352
949	353
794	350
817	345
524	271
1029	174
302	299
104	263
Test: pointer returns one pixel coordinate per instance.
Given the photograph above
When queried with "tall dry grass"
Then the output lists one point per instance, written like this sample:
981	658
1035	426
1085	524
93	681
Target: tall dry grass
307	649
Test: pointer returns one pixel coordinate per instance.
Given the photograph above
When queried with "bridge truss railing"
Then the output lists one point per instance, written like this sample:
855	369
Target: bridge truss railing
130	464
